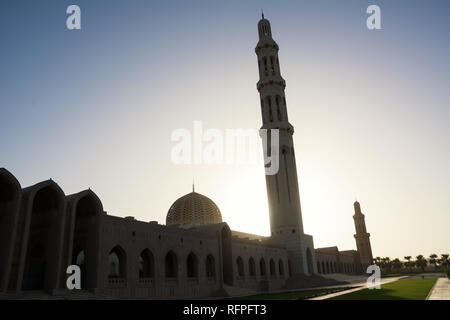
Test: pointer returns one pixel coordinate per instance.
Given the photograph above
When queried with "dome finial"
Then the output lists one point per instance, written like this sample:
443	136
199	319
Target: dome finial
262	13
193	183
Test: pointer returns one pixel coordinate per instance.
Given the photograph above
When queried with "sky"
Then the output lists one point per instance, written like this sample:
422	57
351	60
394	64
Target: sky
96	108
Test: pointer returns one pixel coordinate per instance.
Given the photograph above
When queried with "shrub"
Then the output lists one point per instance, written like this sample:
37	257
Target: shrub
447	272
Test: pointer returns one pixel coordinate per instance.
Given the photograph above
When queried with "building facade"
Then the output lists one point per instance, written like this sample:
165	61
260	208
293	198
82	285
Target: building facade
195	254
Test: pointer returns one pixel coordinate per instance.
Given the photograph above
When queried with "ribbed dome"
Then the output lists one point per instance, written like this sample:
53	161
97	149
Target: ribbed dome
193	209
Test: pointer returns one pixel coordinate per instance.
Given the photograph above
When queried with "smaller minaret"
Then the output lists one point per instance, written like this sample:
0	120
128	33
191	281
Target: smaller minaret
361	236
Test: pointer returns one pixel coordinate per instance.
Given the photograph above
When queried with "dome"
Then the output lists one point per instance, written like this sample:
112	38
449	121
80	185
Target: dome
193	209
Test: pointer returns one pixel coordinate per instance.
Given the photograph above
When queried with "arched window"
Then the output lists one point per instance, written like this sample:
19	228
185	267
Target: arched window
79	257
240	266
318	268
265	64
146	264
192	266
328	267
269	105
210	266
272	268
262	267
281	267
117	263
335	267
171	265
251	267
272	63
323	267
278	102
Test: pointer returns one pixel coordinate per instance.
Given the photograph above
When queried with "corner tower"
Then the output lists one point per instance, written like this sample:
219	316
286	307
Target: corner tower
282	188
362	237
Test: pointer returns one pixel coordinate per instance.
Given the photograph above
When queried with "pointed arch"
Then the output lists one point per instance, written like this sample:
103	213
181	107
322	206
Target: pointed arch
281	267
171	265
146	264
240	267
43	235
210	266
192	266
272	270
251	267
83	231
262	267
10	196
117	263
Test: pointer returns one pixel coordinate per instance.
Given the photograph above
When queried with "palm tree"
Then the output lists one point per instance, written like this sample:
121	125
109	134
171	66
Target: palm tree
444	260
386	264
433	260
421	262
377	261
408	263
397	264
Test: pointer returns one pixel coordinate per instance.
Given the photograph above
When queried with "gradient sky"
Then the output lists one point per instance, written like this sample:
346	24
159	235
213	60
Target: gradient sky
96	108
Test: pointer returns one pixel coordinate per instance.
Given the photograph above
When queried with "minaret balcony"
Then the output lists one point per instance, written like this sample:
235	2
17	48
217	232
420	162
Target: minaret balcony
266	44
264	83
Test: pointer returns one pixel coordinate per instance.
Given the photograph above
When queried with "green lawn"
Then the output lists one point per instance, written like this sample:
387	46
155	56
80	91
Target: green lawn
404	289
295	295
398	274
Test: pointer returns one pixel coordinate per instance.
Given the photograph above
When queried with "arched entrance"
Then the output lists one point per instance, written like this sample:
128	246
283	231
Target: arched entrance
43	250
86	210
9	203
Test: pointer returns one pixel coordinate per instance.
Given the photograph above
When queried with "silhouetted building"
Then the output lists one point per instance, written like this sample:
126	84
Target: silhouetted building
43	231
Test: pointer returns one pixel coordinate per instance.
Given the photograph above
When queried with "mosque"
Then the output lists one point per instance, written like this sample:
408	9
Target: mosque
194	255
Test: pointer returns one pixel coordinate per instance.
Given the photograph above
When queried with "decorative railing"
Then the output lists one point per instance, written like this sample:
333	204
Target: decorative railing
117	282
192	281
171	281
145	282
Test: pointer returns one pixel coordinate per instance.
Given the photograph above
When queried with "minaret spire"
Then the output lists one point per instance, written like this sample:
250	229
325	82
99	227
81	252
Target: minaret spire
282	187
262	13
362	237
285	212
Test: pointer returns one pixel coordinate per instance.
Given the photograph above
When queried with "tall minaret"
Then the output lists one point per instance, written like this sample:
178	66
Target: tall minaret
282	188
362	237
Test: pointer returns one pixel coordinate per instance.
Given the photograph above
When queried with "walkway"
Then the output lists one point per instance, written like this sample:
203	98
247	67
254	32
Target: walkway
441	290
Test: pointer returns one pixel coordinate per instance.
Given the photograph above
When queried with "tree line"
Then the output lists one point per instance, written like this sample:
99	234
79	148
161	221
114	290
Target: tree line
420	263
